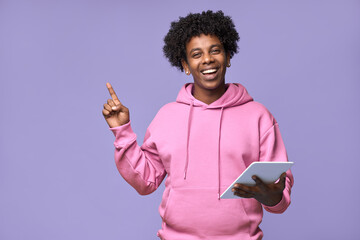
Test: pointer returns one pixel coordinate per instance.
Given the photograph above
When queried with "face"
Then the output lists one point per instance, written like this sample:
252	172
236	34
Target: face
206	61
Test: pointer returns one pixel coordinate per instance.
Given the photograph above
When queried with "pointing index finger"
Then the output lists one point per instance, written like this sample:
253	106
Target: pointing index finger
112	93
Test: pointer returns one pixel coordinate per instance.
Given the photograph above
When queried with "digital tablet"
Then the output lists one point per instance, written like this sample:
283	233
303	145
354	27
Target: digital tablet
268	172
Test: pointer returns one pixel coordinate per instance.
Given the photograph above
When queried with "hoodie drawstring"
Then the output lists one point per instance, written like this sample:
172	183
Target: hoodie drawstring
218	149
221	113
187	138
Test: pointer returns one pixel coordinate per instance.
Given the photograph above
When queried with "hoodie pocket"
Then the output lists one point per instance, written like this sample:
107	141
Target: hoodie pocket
200	211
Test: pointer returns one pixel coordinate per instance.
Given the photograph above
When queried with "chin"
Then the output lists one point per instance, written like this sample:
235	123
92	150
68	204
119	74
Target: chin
214	83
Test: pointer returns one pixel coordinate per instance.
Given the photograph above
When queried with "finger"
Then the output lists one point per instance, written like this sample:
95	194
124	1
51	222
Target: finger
107	107
282	179
244	188
105	112
247	195
258	180
112	93
283	176
242	193
111	103
115	107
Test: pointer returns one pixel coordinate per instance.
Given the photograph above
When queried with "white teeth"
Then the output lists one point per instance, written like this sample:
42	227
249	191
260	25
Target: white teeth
209	71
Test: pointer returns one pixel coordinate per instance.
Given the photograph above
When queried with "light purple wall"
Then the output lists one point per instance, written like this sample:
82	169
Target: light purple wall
58	179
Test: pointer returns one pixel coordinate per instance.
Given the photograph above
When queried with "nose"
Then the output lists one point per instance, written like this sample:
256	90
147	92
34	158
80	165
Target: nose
207	58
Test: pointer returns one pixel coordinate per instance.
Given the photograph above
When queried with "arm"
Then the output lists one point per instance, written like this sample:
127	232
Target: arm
141	166
275	197
272	148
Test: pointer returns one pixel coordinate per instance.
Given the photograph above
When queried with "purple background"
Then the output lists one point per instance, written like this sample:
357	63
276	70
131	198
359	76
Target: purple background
58	178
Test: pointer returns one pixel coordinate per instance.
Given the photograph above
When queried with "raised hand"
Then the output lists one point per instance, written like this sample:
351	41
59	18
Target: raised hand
114	112
267	194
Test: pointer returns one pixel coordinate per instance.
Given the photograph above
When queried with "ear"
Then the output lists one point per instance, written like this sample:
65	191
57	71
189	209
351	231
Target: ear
227	58
185	66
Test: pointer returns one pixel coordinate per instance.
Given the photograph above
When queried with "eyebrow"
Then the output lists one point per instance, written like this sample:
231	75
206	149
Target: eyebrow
212	46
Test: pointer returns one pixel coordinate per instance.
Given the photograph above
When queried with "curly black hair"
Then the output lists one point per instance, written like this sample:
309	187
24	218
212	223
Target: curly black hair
195	24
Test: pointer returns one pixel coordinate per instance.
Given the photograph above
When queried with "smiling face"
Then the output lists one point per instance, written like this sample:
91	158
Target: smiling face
206	61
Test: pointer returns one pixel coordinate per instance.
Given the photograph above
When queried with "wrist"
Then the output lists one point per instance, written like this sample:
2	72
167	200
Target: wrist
273	200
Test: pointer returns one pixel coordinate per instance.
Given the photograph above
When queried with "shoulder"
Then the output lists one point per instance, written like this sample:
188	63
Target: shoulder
171	106
170	109
167	113
258	113
259	110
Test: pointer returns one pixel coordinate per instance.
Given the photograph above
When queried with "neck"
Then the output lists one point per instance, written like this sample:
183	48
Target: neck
208	96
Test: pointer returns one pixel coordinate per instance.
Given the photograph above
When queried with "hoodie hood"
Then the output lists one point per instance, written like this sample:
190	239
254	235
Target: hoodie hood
234	95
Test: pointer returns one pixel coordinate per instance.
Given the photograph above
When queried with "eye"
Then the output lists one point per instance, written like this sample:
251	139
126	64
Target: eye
215	51
196	55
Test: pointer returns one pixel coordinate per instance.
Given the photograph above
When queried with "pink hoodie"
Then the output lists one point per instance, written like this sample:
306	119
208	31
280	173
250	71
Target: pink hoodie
202	149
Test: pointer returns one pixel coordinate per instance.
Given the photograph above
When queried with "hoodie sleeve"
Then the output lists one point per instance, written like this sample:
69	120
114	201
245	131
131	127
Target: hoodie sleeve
272	149
141	166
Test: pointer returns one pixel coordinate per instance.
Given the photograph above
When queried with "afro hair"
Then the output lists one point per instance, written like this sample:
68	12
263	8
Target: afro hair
195	24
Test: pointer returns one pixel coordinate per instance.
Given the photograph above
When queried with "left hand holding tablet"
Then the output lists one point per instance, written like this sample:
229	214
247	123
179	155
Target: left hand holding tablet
268	194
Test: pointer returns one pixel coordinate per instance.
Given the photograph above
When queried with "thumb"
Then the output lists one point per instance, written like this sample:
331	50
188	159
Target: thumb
282	179
120	108
117	107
